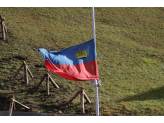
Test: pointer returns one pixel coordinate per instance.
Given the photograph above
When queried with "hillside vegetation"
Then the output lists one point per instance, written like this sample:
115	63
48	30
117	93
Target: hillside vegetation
129	43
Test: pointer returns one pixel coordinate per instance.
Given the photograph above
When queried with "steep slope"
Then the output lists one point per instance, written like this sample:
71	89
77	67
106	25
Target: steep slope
129	52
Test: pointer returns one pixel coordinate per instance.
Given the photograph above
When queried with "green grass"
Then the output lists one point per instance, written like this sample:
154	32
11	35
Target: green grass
129	52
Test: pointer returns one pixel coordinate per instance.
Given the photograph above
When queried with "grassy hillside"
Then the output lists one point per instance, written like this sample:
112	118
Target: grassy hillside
129	52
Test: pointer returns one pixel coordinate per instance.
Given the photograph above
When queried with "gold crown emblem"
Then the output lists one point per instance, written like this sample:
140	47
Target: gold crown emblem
81	54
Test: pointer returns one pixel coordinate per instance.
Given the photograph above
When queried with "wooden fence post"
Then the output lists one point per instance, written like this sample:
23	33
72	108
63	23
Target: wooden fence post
29	71
47	84
82	96
82	101
14	108
12	105
53	83
21	104
20	67
40	82
76	94
86	98
25	73
4	30
48	78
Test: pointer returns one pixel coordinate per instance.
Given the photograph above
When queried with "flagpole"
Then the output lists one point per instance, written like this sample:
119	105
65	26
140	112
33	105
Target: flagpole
96	85
93	25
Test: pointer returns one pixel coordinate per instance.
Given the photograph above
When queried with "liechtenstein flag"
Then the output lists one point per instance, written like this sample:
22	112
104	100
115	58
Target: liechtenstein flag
78	63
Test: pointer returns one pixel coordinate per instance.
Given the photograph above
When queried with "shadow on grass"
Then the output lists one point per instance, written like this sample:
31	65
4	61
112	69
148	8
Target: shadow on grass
152	94
4	101
62	107
72	108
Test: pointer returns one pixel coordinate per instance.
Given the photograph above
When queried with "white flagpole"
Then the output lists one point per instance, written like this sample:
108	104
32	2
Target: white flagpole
96	85
93	25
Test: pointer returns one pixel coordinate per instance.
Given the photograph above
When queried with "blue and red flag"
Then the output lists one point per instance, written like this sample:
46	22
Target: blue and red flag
78	63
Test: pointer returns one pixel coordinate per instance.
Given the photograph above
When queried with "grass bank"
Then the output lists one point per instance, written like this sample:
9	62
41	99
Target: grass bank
129	53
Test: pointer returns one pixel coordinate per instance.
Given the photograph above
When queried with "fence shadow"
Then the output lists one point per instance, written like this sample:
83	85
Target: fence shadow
152	94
